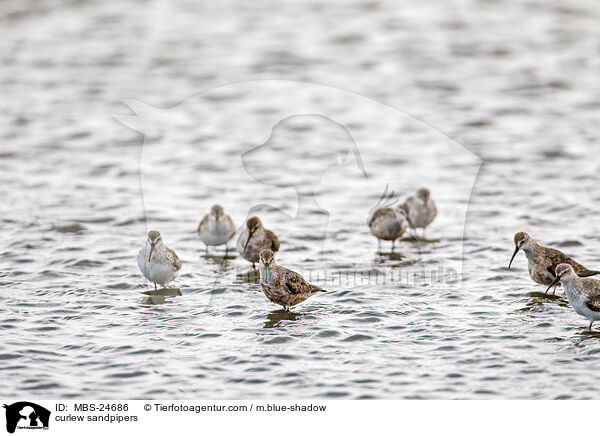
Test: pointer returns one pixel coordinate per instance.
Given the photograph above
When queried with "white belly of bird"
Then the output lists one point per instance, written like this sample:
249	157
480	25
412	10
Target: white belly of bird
216	235
577	301
159	273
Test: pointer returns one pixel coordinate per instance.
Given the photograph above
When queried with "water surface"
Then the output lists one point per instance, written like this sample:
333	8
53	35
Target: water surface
515	84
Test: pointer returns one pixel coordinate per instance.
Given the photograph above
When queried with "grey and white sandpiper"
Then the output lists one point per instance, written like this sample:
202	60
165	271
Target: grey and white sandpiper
582	293
254	238
158	263
281	285
421	209
542	261
216	228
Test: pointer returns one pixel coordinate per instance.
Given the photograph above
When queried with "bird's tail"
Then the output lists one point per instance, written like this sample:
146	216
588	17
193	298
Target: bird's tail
588	273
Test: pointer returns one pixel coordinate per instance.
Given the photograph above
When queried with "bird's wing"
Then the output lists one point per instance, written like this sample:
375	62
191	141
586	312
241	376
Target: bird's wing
555	257
594	303
230	221
203	224
580	270
551	265
592	288
174	259
379	213
274	241
295	284
433	212
584	272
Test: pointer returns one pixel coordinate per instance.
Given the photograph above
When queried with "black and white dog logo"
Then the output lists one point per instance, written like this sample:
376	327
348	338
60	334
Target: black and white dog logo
26	415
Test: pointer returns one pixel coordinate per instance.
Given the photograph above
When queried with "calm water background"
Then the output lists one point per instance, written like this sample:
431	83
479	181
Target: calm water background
515	82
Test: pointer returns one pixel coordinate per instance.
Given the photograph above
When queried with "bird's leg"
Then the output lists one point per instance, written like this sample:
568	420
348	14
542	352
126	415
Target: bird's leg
253	267
155	286
378	244
226	249
393	244
287	309
591	325
206	250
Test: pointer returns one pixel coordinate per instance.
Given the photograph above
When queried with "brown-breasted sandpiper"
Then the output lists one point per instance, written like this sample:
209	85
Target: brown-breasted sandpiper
281	285
542	261
254	238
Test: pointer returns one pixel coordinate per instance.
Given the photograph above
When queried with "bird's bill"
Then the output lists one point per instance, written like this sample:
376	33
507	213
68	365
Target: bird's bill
555	281
248	240
513	257
151	250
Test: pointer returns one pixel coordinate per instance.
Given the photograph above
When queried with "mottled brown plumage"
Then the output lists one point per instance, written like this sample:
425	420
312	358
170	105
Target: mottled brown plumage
594	304
174	259
254	238
281	285
274	240
542	261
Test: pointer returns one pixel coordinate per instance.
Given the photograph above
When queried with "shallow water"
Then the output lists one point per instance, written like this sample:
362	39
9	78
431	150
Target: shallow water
420	92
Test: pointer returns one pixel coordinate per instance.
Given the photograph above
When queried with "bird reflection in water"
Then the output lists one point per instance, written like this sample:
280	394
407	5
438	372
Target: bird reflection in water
383	257
160	296
275	318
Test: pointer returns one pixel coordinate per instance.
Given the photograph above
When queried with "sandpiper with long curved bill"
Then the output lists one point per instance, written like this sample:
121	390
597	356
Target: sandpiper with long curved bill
421	209
281	285
542	261
254	238
216	228
158	263
582	293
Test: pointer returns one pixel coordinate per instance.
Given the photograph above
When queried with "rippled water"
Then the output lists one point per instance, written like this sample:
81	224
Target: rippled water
515	84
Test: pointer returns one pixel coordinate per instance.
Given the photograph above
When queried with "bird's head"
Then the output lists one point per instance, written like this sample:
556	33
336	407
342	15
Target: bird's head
563	271
253	224
267	258
154	239
217	211
423	194
522	240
